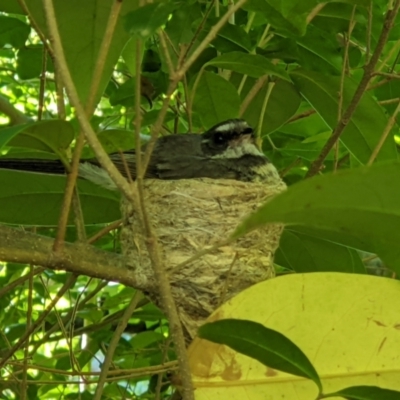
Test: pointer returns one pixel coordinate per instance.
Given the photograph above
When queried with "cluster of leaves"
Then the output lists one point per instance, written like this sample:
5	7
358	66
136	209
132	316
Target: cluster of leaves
290	68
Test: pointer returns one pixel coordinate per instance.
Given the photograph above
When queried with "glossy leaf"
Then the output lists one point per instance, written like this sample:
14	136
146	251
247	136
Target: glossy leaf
180	27
282	104
81	40
113	141
293	24
263	344
365	128
215	99
28	198
53	135
366	393
248	64
147	19
362	203
13	32
229	38
302	252
30	62
319	51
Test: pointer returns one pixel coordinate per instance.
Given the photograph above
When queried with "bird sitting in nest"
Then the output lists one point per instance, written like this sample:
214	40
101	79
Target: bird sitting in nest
225	151
198	187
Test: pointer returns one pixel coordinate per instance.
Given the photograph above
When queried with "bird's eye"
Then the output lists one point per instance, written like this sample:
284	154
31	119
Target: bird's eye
247	131
219	139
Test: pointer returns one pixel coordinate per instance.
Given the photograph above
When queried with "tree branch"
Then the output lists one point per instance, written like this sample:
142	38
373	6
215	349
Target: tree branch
369	70
18	246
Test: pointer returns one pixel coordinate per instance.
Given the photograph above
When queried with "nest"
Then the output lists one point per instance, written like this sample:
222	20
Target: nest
189	215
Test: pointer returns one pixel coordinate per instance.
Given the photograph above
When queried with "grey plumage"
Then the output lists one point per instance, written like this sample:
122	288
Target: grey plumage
225	151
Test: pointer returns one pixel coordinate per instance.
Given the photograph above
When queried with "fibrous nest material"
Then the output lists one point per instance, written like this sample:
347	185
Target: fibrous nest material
190	215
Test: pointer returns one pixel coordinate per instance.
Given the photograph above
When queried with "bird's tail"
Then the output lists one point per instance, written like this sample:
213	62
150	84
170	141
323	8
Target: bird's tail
33	165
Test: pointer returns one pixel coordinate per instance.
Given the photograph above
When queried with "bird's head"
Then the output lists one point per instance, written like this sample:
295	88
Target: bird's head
233	138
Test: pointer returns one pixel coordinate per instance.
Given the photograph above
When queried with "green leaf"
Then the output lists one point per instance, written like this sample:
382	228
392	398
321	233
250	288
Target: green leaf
145	339
230	37
82	38
113	141
270	9
252	65
125	94
179	27
365	128
282	104
13	32
129	55
269	347
319	51
366	393
11	7
215	99
151	116
363	203
53	136
147	19
149	313
30	62
302	252
28	198
6	134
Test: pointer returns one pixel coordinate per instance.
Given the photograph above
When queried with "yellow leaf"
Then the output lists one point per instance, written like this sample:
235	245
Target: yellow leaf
347	325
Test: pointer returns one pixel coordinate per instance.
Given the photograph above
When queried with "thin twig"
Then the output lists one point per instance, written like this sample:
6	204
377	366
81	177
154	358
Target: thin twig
369	32
342	79
368	71
35	26
189	104
209	38
42	84
164	48
90	104
35	326
132	372
270	88
304	114
91	136
104	231
385	133
178	75
28	323
20	280
389	101
199	28
252	93
293	164
114	342
67	319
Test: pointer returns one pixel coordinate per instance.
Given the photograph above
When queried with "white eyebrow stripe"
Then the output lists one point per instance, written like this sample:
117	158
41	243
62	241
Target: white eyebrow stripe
230	126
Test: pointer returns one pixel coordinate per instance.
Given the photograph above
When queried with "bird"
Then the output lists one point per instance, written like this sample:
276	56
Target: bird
196	189
227	150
